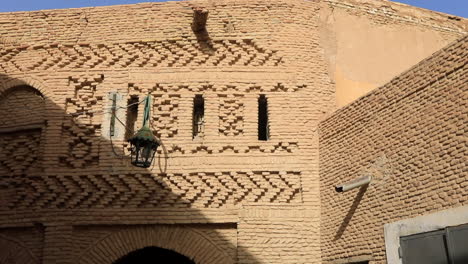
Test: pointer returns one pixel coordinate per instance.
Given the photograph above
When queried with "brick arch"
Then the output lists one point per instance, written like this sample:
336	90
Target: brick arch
22	104
13	251
33	82
182	240
25	81
27	117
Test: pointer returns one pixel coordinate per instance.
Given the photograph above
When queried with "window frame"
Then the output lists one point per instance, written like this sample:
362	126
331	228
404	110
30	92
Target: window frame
421	224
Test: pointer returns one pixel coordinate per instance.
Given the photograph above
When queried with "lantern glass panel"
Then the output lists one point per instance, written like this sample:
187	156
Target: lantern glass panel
143	152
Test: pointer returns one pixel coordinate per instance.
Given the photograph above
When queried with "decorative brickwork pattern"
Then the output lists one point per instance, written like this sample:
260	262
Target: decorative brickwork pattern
117	244
169	53
223	198
203	189
407	135
80	130
231	114
279	147
22	110
164	117
20	151
213	87
224	236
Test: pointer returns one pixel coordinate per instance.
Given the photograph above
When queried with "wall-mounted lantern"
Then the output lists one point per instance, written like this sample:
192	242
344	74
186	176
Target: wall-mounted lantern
143	145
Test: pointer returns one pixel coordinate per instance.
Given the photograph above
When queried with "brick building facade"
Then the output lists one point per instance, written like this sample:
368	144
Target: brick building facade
408	135
68	193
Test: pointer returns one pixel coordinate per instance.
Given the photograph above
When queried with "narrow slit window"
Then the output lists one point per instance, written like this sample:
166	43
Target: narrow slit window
132	115
263	131
198	116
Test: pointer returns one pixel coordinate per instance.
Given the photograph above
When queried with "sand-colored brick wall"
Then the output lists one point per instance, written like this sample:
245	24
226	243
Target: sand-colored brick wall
409	136
215	183
368	42
227	181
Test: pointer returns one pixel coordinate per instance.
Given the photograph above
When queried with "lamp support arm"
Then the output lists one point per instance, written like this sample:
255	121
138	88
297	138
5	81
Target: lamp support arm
147	111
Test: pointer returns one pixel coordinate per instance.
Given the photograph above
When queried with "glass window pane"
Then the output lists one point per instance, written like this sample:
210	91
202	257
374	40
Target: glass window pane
427	248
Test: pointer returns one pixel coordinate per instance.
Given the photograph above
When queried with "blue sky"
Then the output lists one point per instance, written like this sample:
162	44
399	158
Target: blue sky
454	7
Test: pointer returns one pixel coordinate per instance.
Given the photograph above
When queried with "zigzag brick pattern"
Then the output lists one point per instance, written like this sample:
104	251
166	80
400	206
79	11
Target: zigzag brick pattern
279	147
68	193
135	89
170	53
203	189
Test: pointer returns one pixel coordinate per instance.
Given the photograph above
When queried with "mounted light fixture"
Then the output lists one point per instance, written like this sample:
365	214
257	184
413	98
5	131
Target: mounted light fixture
143	145
353	184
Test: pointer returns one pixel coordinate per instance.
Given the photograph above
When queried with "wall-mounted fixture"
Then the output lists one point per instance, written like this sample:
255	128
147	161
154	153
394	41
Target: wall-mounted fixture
144	144
353	184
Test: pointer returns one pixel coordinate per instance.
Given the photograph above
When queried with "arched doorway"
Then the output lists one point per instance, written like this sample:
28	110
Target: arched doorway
154	255
188	242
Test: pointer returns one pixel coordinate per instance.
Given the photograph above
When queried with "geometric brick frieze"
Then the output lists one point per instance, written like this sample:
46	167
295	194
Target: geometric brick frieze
22	116
165	117
273	147
205	86
163	53
175	190
81	127
19	151
231	110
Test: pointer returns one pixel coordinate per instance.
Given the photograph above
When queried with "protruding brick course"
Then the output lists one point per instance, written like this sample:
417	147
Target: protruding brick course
224	197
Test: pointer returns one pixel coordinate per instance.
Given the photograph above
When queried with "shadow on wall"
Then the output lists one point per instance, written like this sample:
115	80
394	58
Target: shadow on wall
351	212
66	197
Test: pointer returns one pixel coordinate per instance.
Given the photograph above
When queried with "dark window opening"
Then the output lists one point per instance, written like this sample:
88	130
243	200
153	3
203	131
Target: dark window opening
437	247
132	115
198	116
263	131
154	255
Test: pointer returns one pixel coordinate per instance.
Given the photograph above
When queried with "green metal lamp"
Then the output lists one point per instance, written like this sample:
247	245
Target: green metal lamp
143	145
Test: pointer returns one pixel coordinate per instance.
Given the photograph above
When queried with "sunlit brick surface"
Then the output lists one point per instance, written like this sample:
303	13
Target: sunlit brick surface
68	193
409	136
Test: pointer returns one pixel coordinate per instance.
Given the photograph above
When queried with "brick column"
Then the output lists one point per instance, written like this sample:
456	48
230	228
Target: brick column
58	243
